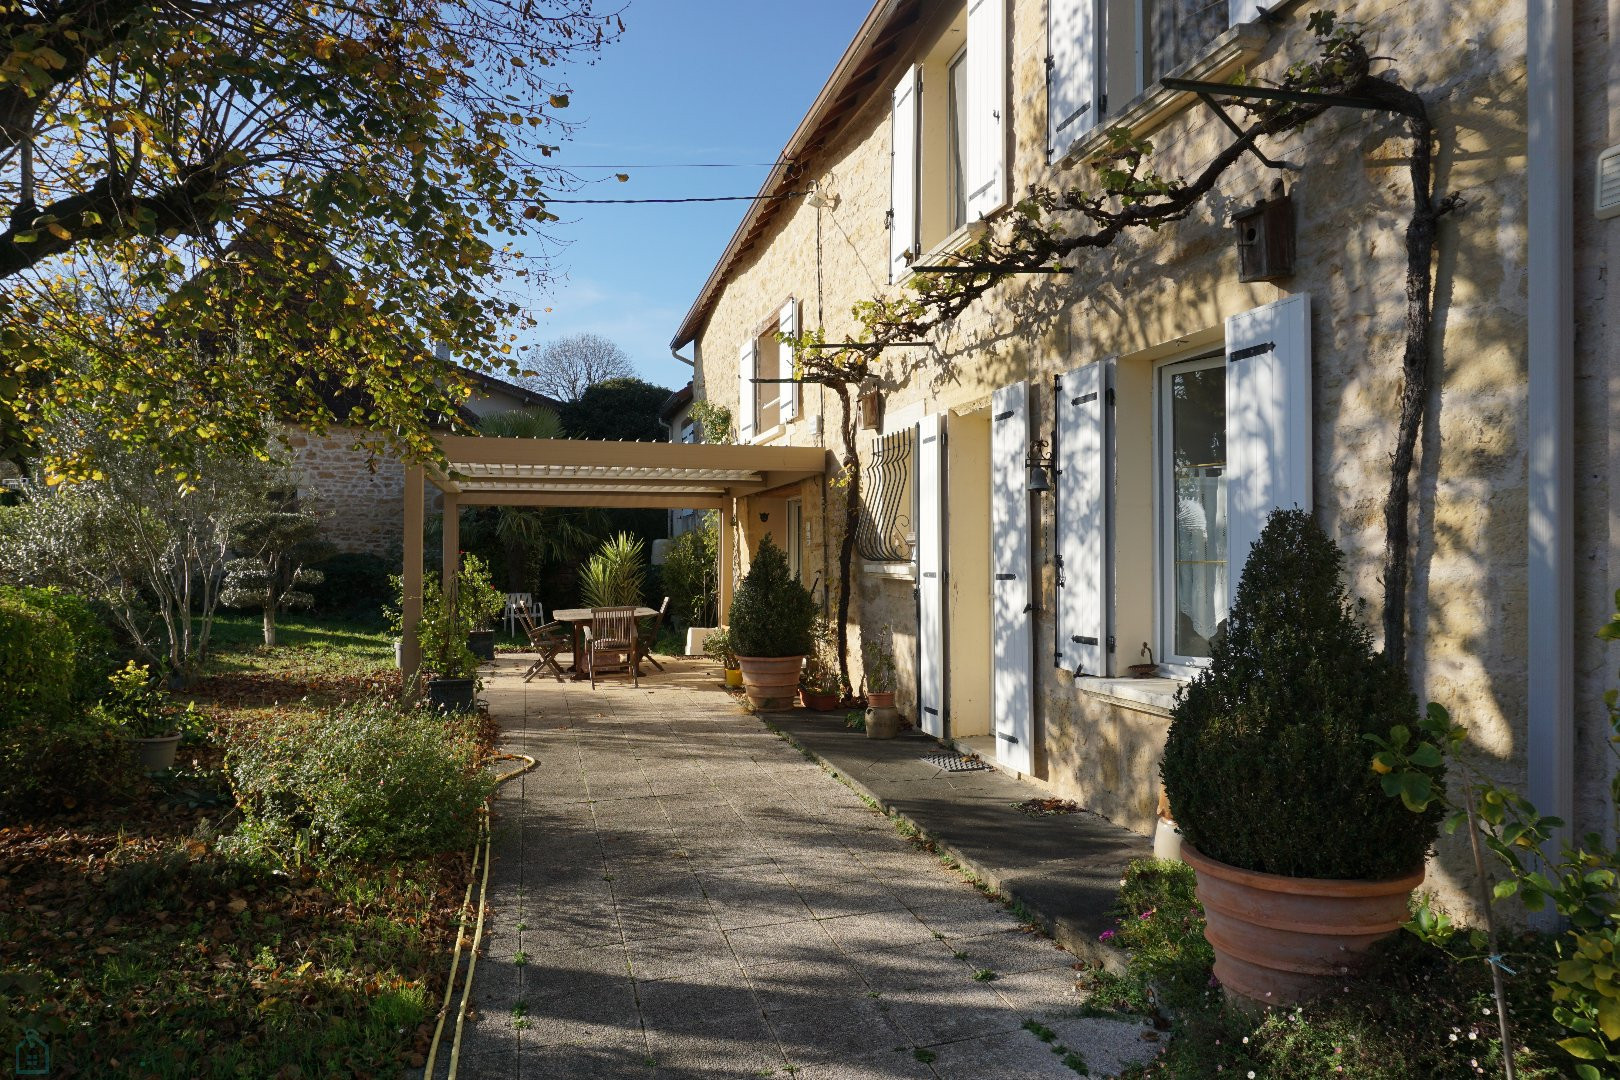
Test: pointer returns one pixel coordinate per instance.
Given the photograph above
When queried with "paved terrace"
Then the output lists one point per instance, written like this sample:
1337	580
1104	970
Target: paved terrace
677	892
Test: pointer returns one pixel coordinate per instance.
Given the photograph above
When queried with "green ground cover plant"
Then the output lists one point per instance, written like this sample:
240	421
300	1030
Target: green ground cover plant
1416	1012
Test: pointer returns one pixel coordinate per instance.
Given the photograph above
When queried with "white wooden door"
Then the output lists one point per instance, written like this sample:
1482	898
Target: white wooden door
1013	640
931	574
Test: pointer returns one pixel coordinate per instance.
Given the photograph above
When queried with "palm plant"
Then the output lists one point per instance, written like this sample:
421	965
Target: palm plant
617	574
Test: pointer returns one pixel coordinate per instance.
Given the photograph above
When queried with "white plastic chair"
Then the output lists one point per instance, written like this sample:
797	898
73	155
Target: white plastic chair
516	601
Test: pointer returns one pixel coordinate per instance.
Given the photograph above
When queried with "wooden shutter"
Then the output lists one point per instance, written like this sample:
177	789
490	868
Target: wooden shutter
1242	11
747	365
903	242
1073	98
1268	421
987	106
788	323
1012	668
931	574
1082	508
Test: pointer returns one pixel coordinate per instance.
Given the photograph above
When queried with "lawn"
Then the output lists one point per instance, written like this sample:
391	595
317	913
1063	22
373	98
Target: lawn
140	940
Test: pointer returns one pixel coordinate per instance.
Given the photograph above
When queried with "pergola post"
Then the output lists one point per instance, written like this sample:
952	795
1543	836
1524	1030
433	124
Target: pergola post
452	546
411	603
728	518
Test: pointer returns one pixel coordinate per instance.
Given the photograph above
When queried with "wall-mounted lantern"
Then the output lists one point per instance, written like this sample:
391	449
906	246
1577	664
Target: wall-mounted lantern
1265	237
1040	466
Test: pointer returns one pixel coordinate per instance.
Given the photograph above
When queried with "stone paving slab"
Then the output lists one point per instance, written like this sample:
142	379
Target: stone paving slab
676	893
1064	868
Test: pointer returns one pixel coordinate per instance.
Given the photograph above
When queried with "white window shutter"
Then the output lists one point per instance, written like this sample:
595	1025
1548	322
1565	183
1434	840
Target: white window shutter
987	106
1013	648
931	574
747	365
788	323
1082	507
1073	98
903	243
1268	421
1242	11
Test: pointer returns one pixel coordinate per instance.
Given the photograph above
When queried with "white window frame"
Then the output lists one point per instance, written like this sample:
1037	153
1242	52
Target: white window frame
794	523
956	166
1165	518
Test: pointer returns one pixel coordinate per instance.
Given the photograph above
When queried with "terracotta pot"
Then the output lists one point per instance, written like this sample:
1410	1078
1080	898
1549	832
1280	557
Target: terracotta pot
771	682
155	755
880	699
733	676
818	702
1284	940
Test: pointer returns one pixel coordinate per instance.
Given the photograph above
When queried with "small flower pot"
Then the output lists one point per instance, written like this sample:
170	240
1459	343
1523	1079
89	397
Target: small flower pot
818	702
1281	941
771	682
881	722
880	699
734	677
451	695
481	643
155	755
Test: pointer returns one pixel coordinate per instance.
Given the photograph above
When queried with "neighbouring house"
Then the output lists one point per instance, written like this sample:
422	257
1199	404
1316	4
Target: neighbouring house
1179	403
362	494
676	416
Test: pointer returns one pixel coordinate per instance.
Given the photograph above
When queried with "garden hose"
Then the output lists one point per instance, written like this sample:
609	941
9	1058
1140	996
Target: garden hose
484	839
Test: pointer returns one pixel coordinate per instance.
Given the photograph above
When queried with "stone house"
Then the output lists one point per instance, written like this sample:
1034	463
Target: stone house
1180	403
361	495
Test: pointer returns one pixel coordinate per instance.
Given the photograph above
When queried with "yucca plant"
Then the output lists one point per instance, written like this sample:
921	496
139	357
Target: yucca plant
616	575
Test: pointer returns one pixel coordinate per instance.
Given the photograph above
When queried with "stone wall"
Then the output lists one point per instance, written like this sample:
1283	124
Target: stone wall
1149	291
361	496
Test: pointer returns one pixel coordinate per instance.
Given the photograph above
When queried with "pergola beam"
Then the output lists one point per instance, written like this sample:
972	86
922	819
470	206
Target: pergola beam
627	500
587	453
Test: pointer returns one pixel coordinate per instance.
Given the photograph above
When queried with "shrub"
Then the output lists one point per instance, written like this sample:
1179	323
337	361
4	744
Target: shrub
616	574
772	614
36	662
476	592
369	781
689	573
63	764
356	584
92	641
1265	765
135	706
442	634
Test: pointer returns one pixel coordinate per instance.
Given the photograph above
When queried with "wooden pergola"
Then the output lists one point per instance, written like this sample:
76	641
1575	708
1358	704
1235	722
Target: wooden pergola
486	471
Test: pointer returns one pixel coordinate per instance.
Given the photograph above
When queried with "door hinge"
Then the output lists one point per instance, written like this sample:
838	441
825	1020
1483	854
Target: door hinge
1110	642
1110	397
1102	105
888	218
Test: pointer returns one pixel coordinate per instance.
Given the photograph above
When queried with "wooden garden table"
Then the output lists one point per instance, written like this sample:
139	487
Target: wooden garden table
579	618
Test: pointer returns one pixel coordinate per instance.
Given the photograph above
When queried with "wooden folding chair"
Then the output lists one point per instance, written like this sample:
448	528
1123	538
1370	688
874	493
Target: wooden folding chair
612	643
548	640
651	639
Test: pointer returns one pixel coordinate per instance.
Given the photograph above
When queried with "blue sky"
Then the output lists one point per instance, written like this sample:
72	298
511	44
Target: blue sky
718	81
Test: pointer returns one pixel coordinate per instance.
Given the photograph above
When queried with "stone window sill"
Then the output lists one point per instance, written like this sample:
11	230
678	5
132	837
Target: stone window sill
953	243
770	435
1225	57
903	570
1155	696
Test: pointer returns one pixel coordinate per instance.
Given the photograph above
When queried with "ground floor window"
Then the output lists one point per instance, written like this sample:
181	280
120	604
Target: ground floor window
795	538
1192	505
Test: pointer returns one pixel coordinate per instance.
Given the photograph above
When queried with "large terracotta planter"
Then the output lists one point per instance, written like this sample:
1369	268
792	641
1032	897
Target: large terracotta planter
1283	940
771	682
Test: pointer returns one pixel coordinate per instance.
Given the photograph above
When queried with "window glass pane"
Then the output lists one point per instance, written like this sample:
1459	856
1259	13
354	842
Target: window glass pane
1197	485
958	137
1178	30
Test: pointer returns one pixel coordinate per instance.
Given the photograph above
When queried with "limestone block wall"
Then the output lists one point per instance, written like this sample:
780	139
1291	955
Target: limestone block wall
1137	299
360	496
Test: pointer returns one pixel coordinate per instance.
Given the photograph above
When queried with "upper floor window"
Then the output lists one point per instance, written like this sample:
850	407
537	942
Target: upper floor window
947	134
1103	53
766	395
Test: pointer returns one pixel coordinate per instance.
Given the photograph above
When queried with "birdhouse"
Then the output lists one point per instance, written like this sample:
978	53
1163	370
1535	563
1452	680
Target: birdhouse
1265	237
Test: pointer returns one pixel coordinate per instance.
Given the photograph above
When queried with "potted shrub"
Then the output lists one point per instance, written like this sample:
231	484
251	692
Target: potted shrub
717	647
483	603
771	620
819	685
136	707
877	664
451	667
1303	862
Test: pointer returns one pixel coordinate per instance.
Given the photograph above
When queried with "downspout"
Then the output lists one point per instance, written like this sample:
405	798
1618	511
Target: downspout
1550	741
689	363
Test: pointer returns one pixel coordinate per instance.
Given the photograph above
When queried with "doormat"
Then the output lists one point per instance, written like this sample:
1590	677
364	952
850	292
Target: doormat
950	761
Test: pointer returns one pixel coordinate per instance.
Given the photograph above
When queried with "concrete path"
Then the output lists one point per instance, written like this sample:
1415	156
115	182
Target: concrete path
677	893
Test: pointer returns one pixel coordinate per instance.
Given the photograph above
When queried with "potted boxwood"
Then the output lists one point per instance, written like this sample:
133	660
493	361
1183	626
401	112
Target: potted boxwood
483	603
820	686
1303	862
136	706
771	619
877	664
451	667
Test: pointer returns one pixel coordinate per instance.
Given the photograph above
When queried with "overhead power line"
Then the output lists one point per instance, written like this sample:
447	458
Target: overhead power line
698	199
